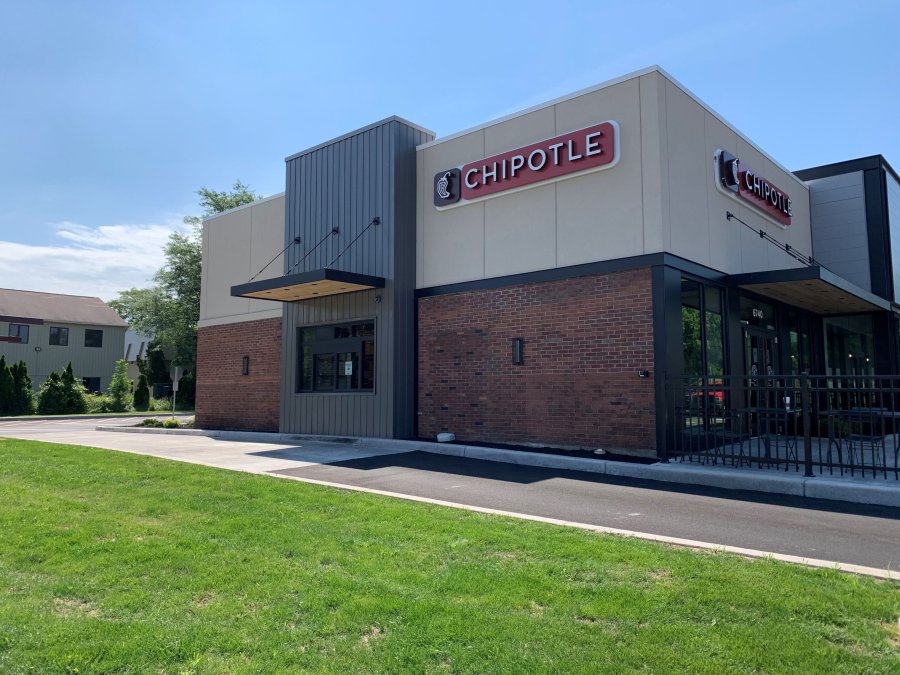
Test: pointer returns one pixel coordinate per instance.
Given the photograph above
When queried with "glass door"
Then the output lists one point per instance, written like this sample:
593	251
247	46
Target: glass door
761	366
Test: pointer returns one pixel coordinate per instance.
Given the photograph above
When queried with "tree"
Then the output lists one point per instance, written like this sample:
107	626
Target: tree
170	309
6	388
23	396
120	387
216	202
142	394
157	371
52	396
74	392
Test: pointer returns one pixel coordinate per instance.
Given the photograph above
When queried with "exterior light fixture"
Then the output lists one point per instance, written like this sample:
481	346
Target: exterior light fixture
518	351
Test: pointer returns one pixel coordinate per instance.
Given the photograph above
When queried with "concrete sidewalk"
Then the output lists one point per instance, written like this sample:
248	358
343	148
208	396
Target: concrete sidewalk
861	491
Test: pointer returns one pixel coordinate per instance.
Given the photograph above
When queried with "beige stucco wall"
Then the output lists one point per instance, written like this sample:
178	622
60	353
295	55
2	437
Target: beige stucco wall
660	196
236	245
693	208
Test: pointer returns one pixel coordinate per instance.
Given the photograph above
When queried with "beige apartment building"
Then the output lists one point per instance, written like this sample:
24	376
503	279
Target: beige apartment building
50	330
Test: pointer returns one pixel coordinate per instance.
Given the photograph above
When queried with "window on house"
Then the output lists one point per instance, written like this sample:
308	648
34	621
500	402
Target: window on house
337	358
20	331
93	337
92	384
59	336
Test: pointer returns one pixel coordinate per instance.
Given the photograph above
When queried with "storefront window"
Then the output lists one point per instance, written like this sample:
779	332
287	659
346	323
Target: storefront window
798	343
849	346
702	329
336	358
715	332
690	328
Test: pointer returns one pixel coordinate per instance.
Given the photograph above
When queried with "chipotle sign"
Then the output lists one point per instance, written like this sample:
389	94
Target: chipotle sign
593	148
743	182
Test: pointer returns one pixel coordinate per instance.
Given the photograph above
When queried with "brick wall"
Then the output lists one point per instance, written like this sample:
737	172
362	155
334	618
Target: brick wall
585	341
226	399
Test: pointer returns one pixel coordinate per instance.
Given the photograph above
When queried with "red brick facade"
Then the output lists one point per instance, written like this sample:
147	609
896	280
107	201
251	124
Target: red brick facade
586	338
226	399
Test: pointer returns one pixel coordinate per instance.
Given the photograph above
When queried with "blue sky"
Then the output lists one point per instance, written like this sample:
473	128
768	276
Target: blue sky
112	114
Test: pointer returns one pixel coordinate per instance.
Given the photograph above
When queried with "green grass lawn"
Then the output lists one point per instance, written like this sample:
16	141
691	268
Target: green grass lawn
111	562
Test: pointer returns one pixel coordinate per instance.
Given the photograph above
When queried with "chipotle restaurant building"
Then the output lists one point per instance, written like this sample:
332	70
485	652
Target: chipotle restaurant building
539	279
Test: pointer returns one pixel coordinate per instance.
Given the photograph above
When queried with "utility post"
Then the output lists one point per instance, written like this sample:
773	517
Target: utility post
175	372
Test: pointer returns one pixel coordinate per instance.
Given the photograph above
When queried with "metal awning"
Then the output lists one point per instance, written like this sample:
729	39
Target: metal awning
812	288
307	285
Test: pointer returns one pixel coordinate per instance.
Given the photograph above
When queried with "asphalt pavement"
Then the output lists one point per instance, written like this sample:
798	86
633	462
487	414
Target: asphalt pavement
809	528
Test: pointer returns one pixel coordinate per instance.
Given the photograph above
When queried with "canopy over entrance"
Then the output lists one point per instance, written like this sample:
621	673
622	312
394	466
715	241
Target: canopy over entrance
307	285
812	288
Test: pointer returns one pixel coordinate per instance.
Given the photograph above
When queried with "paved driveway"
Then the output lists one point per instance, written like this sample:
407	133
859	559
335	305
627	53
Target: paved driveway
236	455
834	531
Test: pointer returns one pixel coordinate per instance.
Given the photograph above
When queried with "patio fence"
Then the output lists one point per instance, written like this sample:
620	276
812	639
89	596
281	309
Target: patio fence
809	424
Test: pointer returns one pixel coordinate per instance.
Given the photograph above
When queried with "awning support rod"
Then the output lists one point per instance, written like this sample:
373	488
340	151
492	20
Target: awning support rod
297	240
807	260
334	230
375	221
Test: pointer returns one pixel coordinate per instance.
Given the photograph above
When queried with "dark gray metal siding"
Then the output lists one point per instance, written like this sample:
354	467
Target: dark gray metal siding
345	184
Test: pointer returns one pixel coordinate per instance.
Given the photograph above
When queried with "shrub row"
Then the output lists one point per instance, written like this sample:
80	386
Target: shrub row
63	394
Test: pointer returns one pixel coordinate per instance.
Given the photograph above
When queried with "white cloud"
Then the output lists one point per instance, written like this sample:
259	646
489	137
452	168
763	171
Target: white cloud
97	261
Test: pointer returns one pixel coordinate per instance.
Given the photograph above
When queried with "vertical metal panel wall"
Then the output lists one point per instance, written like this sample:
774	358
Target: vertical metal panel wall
345	184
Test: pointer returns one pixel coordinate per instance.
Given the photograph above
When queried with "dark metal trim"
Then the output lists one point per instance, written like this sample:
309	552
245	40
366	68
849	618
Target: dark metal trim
849	166
22	319
362	130
587	269
878	234
305	278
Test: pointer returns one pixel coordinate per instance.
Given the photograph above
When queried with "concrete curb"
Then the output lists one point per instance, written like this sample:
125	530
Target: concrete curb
790	483
98	416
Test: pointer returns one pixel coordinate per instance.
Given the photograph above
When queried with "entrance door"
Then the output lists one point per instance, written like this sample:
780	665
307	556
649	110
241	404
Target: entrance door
759	354
760	363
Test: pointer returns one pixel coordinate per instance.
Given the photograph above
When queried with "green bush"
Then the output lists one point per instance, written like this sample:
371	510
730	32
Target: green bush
120	388
160	405
73	391
6	388
170	423
23	394
142	394
98	403
52	396
150	422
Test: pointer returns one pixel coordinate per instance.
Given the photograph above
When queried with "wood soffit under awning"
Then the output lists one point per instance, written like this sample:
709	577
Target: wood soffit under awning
814	289
307	286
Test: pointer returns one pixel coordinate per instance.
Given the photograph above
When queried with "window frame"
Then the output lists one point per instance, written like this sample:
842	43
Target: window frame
93	330
340	350
87	386
61	330
18	333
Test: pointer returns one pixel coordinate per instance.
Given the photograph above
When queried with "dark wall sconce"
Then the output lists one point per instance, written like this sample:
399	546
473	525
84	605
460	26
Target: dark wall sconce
518	351
245	365
643	373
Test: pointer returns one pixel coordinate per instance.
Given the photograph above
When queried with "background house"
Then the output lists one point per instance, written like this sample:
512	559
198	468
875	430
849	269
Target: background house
49	330
136	345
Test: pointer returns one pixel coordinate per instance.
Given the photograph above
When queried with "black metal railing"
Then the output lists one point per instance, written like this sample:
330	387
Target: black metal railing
814	424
